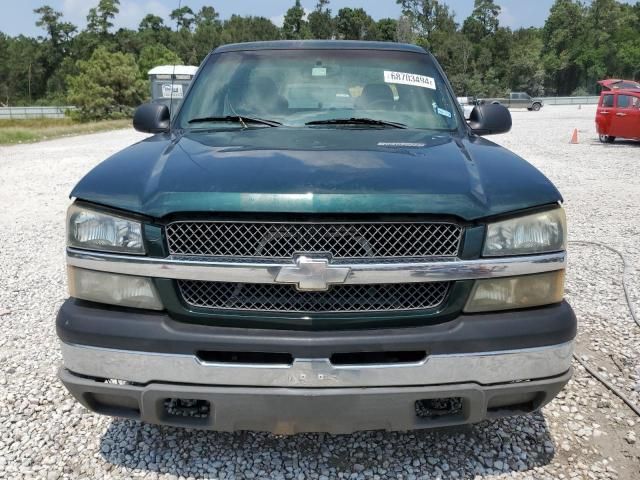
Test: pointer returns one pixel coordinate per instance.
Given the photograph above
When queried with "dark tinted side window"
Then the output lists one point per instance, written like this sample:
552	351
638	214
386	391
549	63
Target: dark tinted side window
607	101
624	101
628	85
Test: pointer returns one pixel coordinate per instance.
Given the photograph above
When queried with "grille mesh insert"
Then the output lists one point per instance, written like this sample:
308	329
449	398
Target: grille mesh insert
341	240
339	298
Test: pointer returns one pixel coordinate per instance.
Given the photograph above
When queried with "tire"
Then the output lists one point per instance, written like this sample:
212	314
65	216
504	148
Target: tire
536	107
606	138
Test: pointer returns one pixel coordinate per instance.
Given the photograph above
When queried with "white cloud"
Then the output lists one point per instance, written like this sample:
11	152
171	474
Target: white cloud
506	18
278	20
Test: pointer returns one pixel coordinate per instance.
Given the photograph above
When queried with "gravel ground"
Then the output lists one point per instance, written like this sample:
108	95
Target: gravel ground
586	433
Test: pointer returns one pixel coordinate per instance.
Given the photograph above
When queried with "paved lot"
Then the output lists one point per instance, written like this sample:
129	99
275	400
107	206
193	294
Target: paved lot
586	433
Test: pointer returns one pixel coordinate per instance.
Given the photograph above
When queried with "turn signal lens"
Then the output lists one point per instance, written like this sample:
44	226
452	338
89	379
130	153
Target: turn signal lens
113	289
516	292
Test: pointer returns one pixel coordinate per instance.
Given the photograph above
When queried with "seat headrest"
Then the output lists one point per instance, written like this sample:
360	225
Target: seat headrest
374	92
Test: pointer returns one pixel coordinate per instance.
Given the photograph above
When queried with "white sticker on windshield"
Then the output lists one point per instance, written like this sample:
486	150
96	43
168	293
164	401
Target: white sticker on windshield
318	72
444	113
409	79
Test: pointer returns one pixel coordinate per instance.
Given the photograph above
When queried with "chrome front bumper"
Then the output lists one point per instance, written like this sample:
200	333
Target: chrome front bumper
483	368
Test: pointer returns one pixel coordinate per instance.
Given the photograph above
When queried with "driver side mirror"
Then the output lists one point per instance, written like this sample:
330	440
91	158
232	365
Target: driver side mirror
490	119
152	118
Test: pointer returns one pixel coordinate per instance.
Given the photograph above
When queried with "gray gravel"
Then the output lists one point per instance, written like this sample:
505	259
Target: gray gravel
587	433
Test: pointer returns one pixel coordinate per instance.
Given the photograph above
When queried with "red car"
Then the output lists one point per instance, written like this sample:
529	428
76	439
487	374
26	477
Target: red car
618	115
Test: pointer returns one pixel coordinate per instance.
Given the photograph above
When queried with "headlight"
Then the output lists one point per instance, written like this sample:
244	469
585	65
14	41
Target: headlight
113	289
94	230
516	292
537	233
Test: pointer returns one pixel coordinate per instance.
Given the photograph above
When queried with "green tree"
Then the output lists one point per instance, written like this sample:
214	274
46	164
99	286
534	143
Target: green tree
428	18
597	51
208	30
295	27
581	42
525	69
4	60
483	21
457	57
108	85
182	41
354	24
405	33
55	45
154	55
321	22
153	30
183	17
207	16
433	27
562	37
628	54
247	29
22	75
100	18
387	30
58	33
127	41
151	22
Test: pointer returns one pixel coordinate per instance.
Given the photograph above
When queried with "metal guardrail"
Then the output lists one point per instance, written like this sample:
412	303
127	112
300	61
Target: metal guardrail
21	113
584	100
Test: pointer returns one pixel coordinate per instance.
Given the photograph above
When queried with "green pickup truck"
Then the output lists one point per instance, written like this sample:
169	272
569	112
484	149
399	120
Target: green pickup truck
516	100
355	258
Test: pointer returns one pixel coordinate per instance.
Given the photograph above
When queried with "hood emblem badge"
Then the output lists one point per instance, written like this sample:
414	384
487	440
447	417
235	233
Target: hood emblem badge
312	274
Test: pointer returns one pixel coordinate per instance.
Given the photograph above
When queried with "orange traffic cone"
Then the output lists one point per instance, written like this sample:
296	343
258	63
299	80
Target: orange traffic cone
574	137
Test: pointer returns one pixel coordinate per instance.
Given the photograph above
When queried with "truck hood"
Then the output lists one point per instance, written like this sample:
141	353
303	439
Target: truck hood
316	170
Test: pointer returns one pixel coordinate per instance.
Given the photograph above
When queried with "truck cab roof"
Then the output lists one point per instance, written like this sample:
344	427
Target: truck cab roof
319	45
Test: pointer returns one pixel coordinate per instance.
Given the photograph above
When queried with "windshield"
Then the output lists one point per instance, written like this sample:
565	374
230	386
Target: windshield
298	87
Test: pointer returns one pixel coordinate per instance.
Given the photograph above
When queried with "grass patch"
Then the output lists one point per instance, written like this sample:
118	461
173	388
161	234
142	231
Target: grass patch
38	129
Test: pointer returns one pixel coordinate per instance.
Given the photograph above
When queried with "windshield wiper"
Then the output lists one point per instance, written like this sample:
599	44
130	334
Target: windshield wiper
237	119
357	121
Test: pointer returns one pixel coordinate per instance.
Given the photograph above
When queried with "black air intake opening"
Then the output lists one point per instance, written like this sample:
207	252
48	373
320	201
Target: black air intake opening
187	408
439	408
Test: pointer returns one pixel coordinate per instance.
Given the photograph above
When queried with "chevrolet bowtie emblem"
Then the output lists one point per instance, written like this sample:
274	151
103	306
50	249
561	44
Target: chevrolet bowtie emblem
312	274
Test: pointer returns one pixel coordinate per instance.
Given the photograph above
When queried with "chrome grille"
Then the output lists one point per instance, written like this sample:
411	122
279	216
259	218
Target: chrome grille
340	240
339	298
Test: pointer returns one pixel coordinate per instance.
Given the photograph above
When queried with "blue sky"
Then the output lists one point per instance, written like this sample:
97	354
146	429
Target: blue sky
19	17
